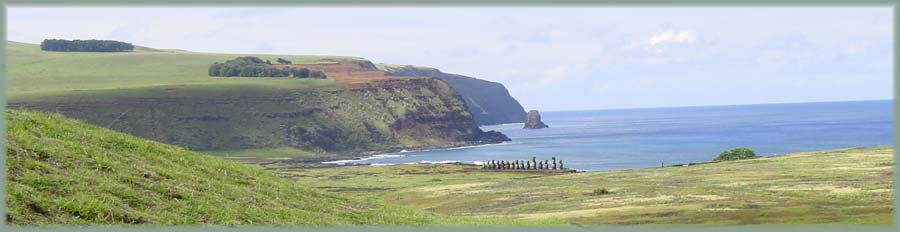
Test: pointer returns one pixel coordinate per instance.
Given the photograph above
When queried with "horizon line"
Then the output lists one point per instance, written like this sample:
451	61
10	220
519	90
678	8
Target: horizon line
718	105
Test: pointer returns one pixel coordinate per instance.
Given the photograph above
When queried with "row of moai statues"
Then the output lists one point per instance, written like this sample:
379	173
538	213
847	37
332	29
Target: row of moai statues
534	164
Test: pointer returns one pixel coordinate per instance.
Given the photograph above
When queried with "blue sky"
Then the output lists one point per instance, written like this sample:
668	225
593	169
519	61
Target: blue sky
549	58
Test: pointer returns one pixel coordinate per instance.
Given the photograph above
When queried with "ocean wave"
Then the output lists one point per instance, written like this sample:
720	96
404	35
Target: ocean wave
401	153
420	162
373	157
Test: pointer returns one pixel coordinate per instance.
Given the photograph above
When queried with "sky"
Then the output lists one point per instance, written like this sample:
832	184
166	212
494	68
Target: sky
549	58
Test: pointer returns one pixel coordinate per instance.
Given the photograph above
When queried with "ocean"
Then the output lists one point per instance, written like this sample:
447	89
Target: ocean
598	140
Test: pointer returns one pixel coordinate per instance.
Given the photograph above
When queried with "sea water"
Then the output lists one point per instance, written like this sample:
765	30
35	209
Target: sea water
639	138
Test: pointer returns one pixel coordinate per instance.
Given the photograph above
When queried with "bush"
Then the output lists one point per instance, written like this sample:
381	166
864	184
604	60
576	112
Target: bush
283	61
739	153
59	45
317	74
249	66
601	191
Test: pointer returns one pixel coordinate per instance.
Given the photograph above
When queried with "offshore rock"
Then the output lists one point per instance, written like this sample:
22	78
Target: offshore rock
533	120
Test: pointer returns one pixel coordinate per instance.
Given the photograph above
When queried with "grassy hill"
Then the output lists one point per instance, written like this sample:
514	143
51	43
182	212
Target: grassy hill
62	171
847	186
35	72
168	96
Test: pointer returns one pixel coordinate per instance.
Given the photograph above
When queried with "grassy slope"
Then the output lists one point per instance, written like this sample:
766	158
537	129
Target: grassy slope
62	171
160	94
851	186
29	73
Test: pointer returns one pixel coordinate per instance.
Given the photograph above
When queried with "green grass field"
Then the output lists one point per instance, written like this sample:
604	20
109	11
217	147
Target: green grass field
63	171
35	72
849	186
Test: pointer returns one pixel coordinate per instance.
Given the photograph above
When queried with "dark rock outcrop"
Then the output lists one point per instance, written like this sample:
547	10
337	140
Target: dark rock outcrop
488	102
533	121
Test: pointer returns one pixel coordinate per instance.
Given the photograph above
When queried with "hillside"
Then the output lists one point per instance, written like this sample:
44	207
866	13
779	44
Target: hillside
62	171
167	96
488	102
840	187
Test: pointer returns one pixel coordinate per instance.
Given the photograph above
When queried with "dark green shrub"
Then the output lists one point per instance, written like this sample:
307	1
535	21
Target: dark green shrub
600	191
283	61
59	45
317	74
735	154
249	66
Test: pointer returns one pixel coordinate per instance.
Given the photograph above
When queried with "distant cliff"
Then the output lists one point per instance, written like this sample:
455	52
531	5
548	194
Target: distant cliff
488	102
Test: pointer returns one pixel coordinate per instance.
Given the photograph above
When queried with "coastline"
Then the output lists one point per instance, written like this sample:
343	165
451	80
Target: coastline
853	185
375	156
335	160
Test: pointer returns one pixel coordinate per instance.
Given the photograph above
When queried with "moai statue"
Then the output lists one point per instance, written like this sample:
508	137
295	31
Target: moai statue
554	163
493	164
561	165
518	165
503	164
527	164
546	164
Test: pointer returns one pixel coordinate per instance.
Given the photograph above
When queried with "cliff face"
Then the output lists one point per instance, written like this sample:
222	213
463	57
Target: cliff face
361	112
488	102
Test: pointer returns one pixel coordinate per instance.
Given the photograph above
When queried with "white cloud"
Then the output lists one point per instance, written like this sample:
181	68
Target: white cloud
672	36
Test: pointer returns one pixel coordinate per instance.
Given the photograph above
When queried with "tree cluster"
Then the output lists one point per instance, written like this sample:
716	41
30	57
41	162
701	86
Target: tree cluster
283	61
93	45
248	66
739	153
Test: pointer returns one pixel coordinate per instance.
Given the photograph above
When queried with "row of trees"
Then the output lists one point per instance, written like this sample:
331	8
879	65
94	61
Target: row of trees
60	45
248	66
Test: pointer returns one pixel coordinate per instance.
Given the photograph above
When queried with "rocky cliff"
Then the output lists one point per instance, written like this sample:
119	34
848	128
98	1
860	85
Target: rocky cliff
533	121
488	102
358	108
408	113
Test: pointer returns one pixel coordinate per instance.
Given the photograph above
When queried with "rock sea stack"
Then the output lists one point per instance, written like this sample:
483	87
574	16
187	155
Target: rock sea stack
533	120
